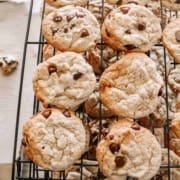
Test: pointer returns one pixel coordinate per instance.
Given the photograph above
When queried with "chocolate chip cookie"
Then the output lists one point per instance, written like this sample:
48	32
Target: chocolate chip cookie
129	150
62	81
71	28
131	27
54	139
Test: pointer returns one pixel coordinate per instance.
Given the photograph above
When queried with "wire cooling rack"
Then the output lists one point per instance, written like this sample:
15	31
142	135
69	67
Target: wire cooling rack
25	169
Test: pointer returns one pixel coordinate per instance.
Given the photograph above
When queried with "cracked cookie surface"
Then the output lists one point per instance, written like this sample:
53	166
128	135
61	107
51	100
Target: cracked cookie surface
129	150
62	81
54	139
130	87
71	28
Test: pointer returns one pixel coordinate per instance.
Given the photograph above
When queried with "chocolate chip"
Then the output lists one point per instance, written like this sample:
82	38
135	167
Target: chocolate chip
46	113
67	113
111	137
54	30
141	26
177	34
135	126
128	31
160	93
52	69
23	142
80	15
130	46
77	75
177	1
1	64
120	161
114	147
72	25
132	2
69	18
124	10
84	33
43	147
57	18
65	30
104	132
107	33
119	2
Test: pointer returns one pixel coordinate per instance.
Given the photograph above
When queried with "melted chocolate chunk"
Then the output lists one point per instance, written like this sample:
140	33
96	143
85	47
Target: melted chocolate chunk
160	93
77	75
128	31
132	2
124	10
52	69
65	30
120	161
130	46
114	147
177	35
135	126
67	113
105	132
57	18
69	18
46	113
84	33
141	26
72	26
111	137
177	1
23	142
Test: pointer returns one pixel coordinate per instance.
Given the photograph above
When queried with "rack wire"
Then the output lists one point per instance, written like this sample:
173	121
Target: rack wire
24	169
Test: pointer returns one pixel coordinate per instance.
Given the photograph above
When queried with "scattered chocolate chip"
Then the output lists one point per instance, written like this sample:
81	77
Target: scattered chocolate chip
23	142
124	10
107	33
54	30
69	18
52	69
128	31
119	2
177	34
135	126
77	75
111	137
84	33
104	132
120	161
46	113
1	64
160	92
67	113
177	1
130	46
43	147
57	18
141	26
72	26
65	30
114	147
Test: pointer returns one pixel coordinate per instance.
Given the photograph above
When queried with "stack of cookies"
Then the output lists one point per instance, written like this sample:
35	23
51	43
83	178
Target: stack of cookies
102	57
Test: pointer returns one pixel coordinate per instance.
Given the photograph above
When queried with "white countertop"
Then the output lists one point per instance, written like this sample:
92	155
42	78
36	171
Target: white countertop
13	21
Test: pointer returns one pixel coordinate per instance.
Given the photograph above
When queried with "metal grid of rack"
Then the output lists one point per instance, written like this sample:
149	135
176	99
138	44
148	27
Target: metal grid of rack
25	169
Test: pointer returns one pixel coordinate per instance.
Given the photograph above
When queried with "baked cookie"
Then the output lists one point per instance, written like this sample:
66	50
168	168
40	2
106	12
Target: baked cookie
171	4
49	51
174	79
101	57
130	87
120	2
92	106
141	32
54	139
171	38
95	6
60	3
62	81
71	28
129	150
